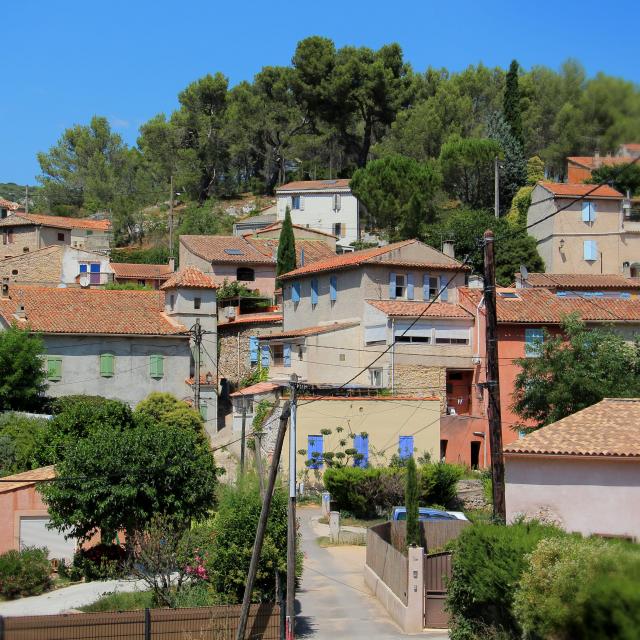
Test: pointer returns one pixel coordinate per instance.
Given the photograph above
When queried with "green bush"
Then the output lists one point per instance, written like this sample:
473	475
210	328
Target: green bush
100	562
488	561
577	588
19	437
438	483
24	573
120	601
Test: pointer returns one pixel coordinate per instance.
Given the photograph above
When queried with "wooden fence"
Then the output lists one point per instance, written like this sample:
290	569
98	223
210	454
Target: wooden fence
389	564
203	623
433	534
437	570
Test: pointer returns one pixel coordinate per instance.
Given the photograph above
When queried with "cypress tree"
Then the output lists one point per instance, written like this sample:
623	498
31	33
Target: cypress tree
411	503
286	260
511	104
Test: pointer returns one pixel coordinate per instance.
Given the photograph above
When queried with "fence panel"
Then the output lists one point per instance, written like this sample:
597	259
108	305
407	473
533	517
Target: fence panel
437	569
389	564
434	534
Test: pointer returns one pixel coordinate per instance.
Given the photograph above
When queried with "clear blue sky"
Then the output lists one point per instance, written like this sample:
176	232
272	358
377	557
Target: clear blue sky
66	60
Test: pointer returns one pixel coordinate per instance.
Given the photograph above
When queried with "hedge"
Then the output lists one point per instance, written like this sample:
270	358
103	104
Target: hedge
24	573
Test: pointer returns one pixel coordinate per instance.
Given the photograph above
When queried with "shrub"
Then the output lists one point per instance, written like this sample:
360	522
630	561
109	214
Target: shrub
19	437
24	573
438	483
100	562
488	561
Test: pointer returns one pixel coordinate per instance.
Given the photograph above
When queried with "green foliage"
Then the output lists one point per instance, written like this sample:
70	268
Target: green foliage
206	219
22	374
126	467
535	170
520	204
99	562
24	573
19	440
235	289
488	562
127	286
573	371
467	166
411	503
165	410
286	258
511	105
438	482
619	177
151	255
120	601
258	374
398	193
261	411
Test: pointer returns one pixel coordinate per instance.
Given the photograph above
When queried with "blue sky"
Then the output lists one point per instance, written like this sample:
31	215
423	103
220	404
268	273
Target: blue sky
65	61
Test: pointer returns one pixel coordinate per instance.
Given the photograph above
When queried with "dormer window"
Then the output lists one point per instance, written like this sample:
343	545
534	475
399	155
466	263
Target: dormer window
197	302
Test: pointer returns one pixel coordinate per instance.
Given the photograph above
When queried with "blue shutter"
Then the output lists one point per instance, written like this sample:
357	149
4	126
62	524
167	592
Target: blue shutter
593	211
83	268
301	257
361	445
253	349
392	285
333	288
410	286
586	211
314	291
264	355
286	354
295	292
425	286
442	287
314	451
590	250
405	447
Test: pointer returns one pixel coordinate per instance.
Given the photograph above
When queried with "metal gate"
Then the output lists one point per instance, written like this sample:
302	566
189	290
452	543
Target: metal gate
437	567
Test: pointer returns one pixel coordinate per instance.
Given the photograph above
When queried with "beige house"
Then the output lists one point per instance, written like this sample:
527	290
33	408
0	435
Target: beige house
582	472
597	285
597	234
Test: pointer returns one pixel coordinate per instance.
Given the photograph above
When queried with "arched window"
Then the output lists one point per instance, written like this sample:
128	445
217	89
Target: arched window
245	274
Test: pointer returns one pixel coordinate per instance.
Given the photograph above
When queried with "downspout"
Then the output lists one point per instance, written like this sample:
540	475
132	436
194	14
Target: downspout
238	348
393	357
478	321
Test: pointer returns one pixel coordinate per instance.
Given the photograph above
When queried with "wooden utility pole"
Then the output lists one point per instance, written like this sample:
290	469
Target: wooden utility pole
493	378
262	522
243	444
171	217
496	186
197	339
291	526
257	445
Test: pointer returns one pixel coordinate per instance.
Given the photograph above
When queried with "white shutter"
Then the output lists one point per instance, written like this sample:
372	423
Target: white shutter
418	330
301	203
375	333
336	202
453	333
34	533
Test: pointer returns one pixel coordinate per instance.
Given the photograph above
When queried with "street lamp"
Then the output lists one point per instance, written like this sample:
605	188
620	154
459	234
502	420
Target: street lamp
483	435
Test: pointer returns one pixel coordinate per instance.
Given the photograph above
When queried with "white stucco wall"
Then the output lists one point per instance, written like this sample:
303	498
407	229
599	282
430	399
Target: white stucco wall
585	495
72	258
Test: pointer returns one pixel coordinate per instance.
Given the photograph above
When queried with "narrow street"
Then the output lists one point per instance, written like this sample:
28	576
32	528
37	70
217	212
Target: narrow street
334	601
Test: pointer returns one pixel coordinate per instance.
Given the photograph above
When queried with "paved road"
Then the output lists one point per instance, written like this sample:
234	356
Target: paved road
334	601
61	600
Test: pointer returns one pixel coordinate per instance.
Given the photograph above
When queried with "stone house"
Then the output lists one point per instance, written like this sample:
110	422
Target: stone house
7	208
24	232
146	275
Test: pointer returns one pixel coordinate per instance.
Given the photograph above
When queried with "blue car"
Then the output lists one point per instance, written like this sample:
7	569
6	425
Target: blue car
424	514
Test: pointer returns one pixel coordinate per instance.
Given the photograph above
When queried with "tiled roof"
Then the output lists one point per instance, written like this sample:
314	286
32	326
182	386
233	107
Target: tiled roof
134	270
315	185
590	162
58	222
314	250
190	278
278	225
8	204
310	331
377	255
252	318
581	281
224	249
260	387
89	311
370	398
541	306
609	428
633	146
412	309
563	190
26	478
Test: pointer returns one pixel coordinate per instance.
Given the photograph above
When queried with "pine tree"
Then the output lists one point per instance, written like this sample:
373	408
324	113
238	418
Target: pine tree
286	247
411	503
511	104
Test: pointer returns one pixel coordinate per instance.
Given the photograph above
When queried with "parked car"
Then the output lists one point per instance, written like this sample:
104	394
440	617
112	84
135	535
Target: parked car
424	514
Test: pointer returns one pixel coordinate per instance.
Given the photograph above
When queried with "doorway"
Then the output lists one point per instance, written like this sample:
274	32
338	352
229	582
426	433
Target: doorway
475	454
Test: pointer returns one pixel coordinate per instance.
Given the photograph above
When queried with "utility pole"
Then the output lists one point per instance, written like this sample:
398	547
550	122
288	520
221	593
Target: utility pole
257	446
493	378
242	441
496	186
262	523
197	339
291	526
26	199
171	217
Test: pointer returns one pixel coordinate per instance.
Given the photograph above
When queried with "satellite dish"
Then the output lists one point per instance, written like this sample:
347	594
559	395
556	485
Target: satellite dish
524	273
84	280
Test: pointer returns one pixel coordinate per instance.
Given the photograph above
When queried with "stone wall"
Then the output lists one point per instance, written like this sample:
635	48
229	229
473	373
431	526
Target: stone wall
418	380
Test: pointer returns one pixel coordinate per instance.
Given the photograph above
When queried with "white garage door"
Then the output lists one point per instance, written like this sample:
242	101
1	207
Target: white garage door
34	533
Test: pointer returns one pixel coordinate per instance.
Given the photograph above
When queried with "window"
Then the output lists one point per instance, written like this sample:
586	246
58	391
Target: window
588	211
333	288
590	250
142	283
533	342
401	285
443	450
197	302
25	249
156	366
339	229
245	274
445	340
405	447
337	204
10	236
314	452
61	237
54	368
107	361
430	287
89	232
296	202
452	336
172	302
475	454
361	445
408	338
375	375
277	351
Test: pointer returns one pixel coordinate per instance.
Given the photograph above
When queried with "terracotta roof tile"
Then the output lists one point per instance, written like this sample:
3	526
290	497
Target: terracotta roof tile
562	189
590	162
315	185
314	250
190	278
26	478
278	225
310	331
225	249
252	318
370	398
412	309
581	281
8	204
89	311
609	428
59	222
134	270
260	387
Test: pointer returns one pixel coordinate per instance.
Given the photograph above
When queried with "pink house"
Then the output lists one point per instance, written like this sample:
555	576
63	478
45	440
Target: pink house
581	472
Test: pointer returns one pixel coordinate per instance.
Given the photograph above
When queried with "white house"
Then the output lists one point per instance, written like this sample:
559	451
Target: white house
326	205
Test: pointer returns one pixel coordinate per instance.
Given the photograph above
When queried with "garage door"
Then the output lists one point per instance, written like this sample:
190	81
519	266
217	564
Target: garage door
34	533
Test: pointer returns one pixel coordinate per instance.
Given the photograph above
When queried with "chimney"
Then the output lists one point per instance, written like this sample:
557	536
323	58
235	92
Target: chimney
626	269
172	264
596	159
448	248
476	282
5	288
20	313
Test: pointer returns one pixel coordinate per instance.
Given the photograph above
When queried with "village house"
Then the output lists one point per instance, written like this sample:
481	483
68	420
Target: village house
581	473
325	205
580	168
24	232
145	275
7	208
597	285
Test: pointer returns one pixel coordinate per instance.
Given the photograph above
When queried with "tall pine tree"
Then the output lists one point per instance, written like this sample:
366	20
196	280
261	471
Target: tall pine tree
286	260
511	104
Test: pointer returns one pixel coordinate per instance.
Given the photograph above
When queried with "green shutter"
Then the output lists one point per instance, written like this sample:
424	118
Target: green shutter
106	365
54	368
203	410
156	365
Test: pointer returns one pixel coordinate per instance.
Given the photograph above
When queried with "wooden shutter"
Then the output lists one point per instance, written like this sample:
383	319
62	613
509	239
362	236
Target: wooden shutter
586	212
442	287
361	445
295	292
314	291
106	365
410	286
333	288
425	286
54	368
156	366
253	349
286	354
314	451
301	203
265	356
392	286
405	447
203	411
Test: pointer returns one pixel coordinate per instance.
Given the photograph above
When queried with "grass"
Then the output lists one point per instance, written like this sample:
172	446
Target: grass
347	539
355	522
479	516
120	601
